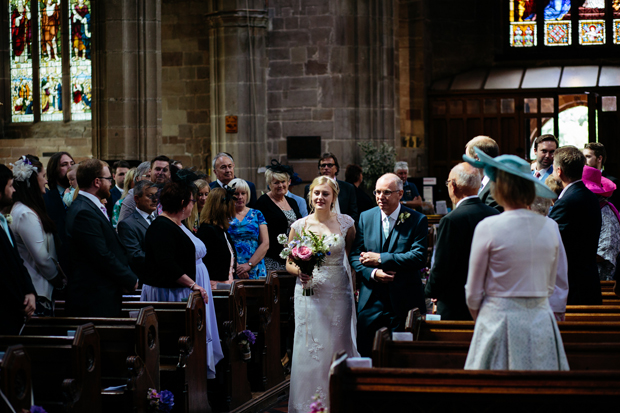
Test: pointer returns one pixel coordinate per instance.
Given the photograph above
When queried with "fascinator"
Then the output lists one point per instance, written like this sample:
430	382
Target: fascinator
23	169
277	167
185	177
231	193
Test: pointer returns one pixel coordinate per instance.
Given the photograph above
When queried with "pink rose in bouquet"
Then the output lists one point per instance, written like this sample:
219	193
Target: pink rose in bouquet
303	253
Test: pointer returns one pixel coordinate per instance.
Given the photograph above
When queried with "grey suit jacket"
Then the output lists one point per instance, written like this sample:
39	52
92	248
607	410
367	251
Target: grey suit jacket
132	231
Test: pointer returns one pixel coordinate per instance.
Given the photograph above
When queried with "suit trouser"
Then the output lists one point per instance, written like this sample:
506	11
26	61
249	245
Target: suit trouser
377	313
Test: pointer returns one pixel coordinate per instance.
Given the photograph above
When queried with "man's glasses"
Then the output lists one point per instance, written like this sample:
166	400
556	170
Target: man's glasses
152	197
109	178
448	182
328	165
385	193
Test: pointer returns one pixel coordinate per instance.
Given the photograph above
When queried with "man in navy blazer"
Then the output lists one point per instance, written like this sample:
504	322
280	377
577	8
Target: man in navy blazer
223	166
578	215
101	271
387	255
544	149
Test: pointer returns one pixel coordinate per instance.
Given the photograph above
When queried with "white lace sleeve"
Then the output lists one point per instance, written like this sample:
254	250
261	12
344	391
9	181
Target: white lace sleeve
346	222
299	225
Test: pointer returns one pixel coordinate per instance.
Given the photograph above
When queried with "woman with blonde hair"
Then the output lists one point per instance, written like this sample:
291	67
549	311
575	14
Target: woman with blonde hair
193	221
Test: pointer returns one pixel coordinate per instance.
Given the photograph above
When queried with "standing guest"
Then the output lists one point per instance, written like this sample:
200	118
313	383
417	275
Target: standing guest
596	155
544	149
509	282
301	203
249	233
279	211
489	147
71	192
132	229
160	174
193	221
389	251
119	173
101	270
448	276
347	201
223	166
355	177
57	182
609	239
34	231
411	196
174	266
215	217
578	214
128	187
17	294
143	171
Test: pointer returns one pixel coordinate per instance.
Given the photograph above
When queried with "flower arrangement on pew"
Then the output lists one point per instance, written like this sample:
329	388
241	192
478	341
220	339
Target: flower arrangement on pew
246	339
308	251
160	402
34	409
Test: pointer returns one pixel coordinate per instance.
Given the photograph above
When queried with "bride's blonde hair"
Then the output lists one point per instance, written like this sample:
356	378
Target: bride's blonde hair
322	180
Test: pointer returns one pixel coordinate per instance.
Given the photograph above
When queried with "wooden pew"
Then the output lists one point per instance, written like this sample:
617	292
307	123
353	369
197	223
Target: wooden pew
263	317
183	343
454	390
609	298
608	309
231	387
452	354
607	286
129	354
66	371
287	316
15	378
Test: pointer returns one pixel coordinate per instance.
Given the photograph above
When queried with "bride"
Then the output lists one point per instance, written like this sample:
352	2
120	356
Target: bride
325	321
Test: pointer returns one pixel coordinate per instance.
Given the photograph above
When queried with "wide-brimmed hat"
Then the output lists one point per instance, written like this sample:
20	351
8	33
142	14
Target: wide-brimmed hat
596	182
511	164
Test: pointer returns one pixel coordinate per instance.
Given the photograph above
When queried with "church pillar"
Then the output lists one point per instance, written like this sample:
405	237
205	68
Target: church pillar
127	76
237	33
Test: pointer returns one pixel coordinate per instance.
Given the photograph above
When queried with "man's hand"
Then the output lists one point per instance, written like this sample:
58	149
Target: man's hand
30	304
384	276
370	259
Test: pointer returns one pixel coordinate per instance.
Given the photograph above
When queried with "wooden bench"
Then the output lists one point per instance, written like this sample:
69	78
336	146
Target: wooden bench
287	316
15	378
231	387
607	309
607	286
454	390
609	298
129	354
66	370
263	318
452	354
183	348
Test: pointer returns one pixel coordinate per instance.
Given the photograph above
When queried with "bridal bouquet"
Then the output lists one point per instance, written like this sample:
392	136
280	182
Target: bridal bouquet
308	251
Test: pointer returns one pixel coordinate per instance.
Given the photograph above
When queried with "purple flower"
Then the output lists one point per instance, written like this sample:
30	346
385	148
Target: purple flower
37	409
329	253
250	336
166	399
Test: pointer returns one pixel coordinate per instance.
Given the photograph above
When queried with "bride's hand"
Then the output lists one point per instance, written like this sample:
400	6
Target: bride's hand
304	277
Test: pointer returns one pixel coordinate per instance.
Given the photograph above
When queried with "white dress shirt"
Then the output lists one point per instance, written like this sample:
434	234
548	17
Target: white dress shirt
145	215
566	187
393	218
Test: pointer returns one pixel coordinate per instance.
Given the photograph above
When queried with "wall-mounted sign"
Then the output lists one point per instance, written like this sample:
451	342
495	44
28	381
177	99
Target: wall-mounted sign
231	124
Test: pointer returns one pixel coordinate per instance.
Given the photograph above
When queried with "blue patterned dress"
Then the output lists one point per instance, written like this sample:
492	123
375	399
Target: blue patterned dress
245	236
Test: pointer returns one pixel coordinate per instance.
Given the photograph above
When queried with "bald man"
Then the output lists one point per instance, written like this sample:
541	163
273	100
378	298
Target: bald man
456	231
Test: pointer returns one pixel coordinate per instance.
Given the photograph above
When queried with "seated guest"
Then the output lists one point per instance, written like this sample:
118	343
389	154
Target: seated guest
132	229
34	232
173	255
193	221
223	166
609	240
509	282
578	215
128	184
215	217
248	231
17	294
448	276
354	176
411	196
279	211
301	203
101	269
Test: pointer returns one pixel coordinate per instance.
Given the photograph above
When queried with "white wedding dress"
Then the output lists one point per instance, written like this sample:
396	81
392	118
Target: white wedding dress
324	324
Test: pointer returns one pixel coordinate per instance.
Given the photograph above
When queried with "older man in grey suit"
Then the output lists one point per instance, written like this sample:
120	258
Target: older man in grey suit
132	230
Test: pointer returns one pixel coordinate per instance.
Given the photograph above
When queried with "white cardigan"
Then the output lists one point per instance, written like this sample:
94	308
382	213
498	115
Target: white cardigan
36	248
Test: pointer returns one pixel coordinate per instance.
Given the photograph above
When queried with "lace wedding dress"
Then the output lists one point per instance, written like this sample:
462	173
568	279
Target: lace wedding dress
324	323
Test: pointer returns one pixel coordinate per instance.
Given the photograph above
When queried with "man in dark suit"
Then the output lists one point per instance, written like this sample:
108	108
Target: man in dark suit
578	215
347	200
490	147
101	272
387	255
132	229
596	155
454	236
119	171
17	294
223	166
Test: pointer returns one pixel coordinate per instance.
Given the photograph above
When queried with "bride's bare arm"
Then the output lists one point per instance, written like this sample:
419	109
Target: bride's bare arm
349	240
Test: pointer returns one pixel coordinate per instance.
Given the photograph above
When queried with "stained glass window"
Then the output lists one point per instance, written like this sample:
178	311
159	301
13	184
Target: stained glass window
558	23
21	61
592	22
615	6
55	74
523	23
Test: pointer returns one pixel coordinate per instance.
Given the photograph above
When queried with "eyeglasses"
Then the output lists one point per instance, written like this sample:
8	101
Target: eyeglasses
385	193
327	165
448	182
109	178
152	197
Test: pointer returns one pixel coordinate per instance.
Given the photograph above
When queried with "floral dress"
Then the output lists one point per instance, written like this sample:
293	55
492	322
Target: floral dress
245	237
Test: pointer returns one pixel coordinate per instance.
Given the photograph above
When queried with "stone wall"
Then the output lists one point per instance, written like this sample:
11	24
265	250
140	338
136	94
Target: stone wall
185	82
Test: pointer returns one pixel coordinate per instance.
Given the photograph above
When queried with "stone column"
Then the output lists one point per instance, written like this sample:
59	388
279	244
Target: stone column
127	79
237	32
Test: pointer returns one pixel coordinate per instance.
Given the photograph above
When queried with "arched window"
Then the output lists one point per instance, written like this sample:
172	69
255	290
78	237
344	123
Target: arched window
50	60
